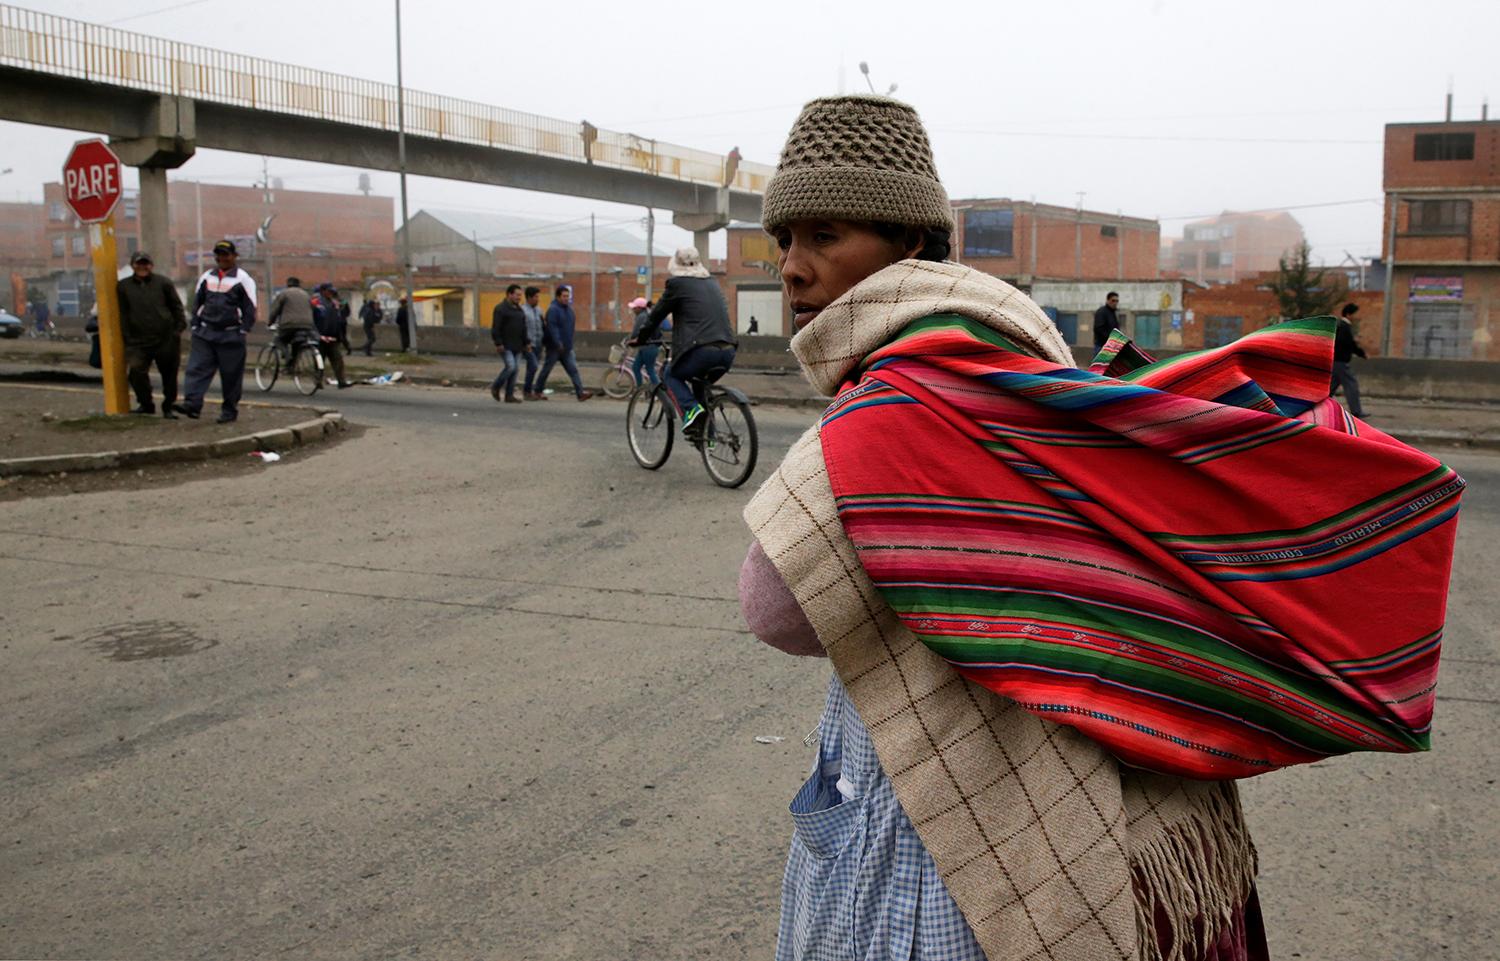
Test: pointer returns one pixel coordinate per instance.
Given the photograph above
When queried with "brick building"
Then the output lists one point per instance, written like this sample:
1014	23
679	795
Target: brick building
1020	242
315	235
23	238
1442	181
1223	249
1218	314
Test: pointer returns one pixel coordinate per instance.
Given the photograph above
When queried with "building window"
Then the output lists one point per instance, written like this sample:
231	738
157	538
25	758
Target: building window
1187	261
131	203
1226	258
1226	231
1444	146
56	211
1219	331
757	249
1211	258
78	244
988	233
1108	230
1438	217
59	246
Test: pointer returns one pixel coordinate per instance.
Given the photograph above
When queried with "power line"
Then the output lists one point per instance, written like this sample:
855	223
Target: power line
1151	138
152	13
1271	210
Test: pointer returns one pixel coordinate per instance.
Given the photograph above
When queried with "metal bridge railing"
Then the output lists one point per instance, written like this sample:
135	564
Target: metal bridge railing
57	45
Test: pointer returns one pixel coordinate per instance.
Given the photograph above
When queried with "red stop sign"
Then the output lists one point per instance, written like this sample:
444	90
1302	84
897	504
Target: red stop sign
92	179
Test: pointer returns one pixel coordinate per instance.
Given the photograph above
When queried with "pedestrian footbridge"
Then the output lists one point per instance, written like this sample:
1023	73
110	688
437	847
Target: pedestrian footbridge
159	100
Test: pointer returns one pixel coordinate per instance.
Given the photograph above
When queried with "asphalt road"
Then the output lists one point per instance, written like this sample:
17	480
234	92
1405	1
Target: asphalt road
477	686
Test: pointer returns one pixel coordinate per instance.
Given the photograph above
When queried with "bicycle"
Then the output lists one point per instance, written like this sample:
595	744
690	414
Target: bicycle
620	379
727	442
301	358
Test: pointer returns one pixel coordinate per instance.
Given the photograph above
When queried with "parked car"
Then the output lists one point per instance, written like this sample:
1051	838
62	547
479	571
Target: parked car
10	324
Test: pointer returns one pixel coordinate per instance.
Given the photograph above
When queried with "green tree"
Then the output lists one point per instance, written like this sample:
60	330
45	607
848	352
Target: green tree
1303	290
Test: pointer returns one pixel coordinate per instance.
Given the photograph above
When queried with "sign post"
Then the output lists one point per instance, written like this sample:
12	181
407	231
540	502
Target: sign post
92	183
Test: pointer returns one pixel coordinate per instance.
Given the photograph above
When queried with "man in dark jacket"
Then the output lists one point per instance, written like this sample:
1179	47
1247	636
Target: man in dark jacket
559	332
224	304
703	341
333	330
151	321
370	314
1106	319
508	331
1345	348
403	321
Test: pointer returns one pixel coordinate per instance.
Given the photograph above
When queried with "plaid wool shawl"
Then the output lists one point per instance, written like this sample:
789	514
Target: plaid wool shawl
1204	564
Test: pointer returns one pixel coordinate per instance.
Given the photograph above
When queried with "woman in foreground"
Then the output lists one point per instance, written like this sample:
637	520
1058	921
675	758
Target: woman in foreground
968	495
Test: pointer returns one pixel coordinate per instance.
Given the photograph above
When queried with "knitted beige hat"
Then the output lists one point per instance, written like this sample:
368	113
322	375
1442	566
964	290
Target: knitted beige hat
857	158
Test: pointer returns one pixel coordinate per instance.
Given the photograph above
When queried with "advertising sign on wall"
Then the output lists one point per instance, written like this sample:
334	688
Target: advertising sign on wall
1436	290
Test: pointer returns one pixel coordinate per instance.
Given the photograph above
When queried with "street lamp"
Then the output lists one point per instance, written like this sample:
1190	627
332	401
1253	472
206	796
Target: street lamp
864	68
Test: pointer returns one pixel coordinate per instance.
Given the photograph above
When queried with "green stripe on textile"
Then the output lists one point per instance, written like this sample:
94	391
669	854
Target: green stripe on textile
1374	505
1213	693
914	602
1318	326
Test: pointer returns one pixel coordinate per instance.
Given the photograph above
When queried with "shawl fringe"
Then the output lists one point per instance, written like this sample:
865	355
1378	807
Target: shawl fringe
1192	878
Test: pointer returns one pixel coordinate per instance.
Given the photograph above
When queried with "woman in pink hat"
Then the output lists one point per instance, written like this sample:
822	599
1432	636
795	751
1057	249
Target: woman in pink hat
645	354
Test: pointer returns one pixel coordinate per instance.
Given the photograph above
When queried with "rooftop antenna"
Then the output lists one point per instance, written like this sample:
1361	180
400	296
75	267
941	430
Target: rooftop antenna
1448	108
864	68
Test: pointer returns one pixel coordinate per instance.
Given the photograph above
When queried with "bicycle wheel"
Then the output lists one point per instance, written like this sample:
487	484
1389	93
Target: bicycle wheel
618	382
650	425
730	445
307	370
267	366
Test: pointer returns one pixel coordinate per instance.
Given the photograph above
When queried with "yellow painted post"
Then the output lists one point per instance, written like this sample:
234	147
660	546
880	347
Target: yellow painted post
106	295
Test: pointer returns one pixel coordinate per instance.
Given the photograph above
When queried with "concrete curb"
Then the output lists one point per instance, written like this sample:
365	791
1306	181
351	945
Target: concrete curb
1433	437
327	423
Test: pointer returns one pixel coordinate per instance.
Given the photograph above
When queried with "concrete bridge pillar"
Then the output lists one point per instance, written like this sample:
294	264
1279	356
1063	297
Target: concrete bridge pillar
156	235
703	224
168	140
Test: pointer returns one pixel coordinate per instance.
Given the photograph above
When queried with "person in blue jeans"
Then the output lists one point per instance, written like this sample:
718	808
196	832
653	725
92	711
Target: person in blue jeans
561	322
645	354
508	331
703	341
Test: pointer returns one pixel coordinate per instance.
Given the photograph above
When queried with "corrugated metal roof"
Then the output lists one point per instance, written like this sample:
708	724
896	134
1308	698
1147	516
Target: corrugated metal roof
530	233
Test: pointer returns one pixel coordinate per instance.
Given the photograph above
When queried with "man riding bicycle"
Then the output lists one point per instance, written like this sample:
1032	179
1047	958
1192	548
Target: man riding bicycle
292	316
703	342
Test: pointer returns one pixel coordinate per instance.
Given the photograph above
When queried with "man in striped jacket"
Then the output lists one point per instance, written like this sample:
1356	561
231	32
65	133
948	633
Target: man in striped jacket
223	313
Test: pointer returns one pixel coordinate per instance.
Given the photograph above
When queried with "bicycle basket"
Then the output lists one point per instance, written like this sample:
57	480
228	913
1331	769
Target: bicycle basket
616	353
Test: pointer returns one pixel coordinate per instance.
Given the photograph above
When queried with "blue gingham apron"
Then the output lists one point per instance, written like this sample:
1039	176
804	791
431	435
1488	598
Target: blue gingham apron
859	884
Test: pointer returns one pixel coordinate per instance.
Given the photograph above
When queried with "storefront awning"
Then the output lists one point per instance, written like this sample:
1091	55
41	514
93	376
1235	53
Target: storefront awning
428	293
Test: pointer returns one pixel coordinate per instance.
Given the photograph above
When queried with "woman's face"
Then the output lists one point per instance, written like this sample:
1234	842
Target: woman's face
822	259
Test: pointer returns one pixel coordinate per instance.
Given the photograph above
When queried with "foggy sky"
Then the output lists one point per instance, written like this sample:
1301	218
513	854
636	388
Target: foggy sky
1155	108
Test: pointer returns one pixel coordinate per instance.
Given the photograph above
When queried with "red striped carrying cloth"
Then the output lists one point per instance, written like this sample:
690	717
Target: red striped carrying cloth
1204	563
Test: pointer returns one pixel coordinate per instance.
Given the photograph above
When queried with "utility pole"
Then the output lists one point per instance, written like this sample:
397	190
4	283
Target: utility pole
1390	277
1078	240
1119	244
269	198
593	278
411	304
478	314
1033	238
198	210
650	250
